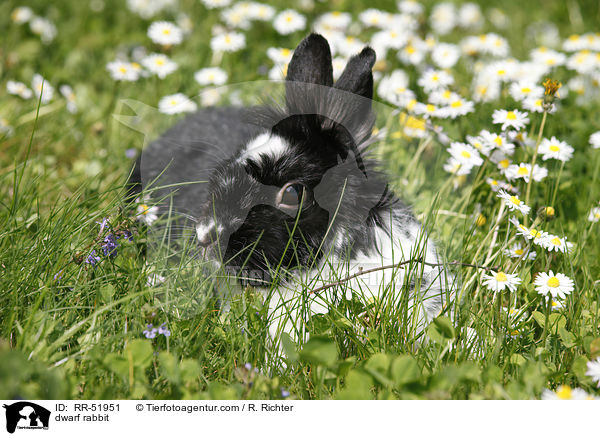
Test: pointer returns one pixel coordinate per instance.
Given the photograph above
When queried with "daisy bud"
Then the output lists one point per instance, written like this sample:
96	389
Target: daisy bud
547	213
480	221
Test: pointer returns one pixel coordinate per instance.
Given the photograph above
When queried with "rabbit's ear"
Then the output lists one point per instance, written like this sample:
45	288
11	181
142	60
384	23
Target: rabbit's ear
357	76
311	62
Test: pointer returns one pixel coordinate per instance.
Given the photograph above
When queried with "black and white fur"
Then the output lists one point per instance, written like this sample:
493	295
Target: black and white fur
317	141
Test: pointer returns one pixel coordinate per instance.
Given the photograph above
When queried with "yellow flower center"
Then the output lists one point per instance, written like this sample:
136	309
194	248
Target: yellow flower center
289	18
501	72
285	52
501	277
447	94
504	163
498	141
457	103
123	69
519	251
523	171
481	220
511	116
144	209
435	77
166	31
160	61
553	282
556	241
564	393
410	49
534	233
515	200
554	148
549	211
465	154
526	90
228	39
431	108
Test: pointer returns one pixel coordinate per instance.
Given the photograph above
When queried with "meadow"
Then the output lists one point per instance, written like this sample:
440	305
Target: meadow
488	127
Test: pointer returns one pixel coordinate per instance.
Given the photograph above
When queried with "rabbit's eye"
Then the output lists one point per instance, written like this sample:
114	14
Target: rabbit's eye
290	196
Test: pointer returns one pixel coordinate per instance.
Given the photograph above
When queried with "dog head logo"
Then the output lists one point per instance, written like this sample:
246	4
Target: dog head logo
26	415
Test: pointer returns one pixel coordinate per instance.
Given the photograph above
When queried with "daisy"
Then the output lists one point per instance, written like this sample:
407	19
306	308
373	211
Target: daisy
335	20
497	142
18	88
165	33
210	76
69	95
236	18
470	16
413	52
21	14
499	281
481	146
555	304
554	243
410	7
593	370
515	118
529	233
445	55
289	21
443	18
595	140
41	86
517	250
566	393
594	215
339	64
123	71
213	4
513	202
229	42
555	149
523	171
373	17
435	79
559	285
390	38
522	90
464	153
146	214
280	55
260	12
159	64
176	103
43	27
457	108
537	105
456	167
147	9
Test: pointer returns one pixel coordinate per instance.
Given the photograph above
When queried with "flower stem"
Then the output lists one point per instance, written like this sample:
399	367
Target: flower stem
535	153
545	333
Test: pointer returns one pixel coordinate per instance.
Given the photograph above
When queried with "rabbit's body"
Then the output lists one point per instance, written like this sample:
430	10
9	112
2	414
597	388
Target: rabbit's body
292	202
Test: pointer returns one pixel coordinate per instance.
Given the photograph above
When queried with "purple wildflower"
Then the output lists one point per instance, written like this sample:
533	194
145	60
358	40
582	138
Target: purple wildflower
163	330
92	259
248	366
127	235
110	246
150	332
131	153
58	276
284	393
102	224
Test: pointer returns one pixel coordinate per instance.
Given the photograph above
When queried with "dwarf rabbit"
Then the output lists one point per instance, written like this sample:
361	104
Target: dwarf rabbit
291	196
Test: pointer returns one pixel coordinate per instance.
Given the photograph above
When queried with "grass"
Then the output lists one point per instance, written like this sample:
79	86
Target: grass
75	331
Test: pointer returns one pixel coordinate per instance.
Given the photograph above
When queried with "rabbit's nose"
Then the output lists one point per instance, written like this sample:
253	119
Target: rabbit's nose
207	233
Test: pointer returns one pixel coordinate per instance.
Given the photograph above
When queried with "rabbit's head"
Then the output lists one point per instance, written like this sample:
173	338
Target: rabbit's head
301	189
